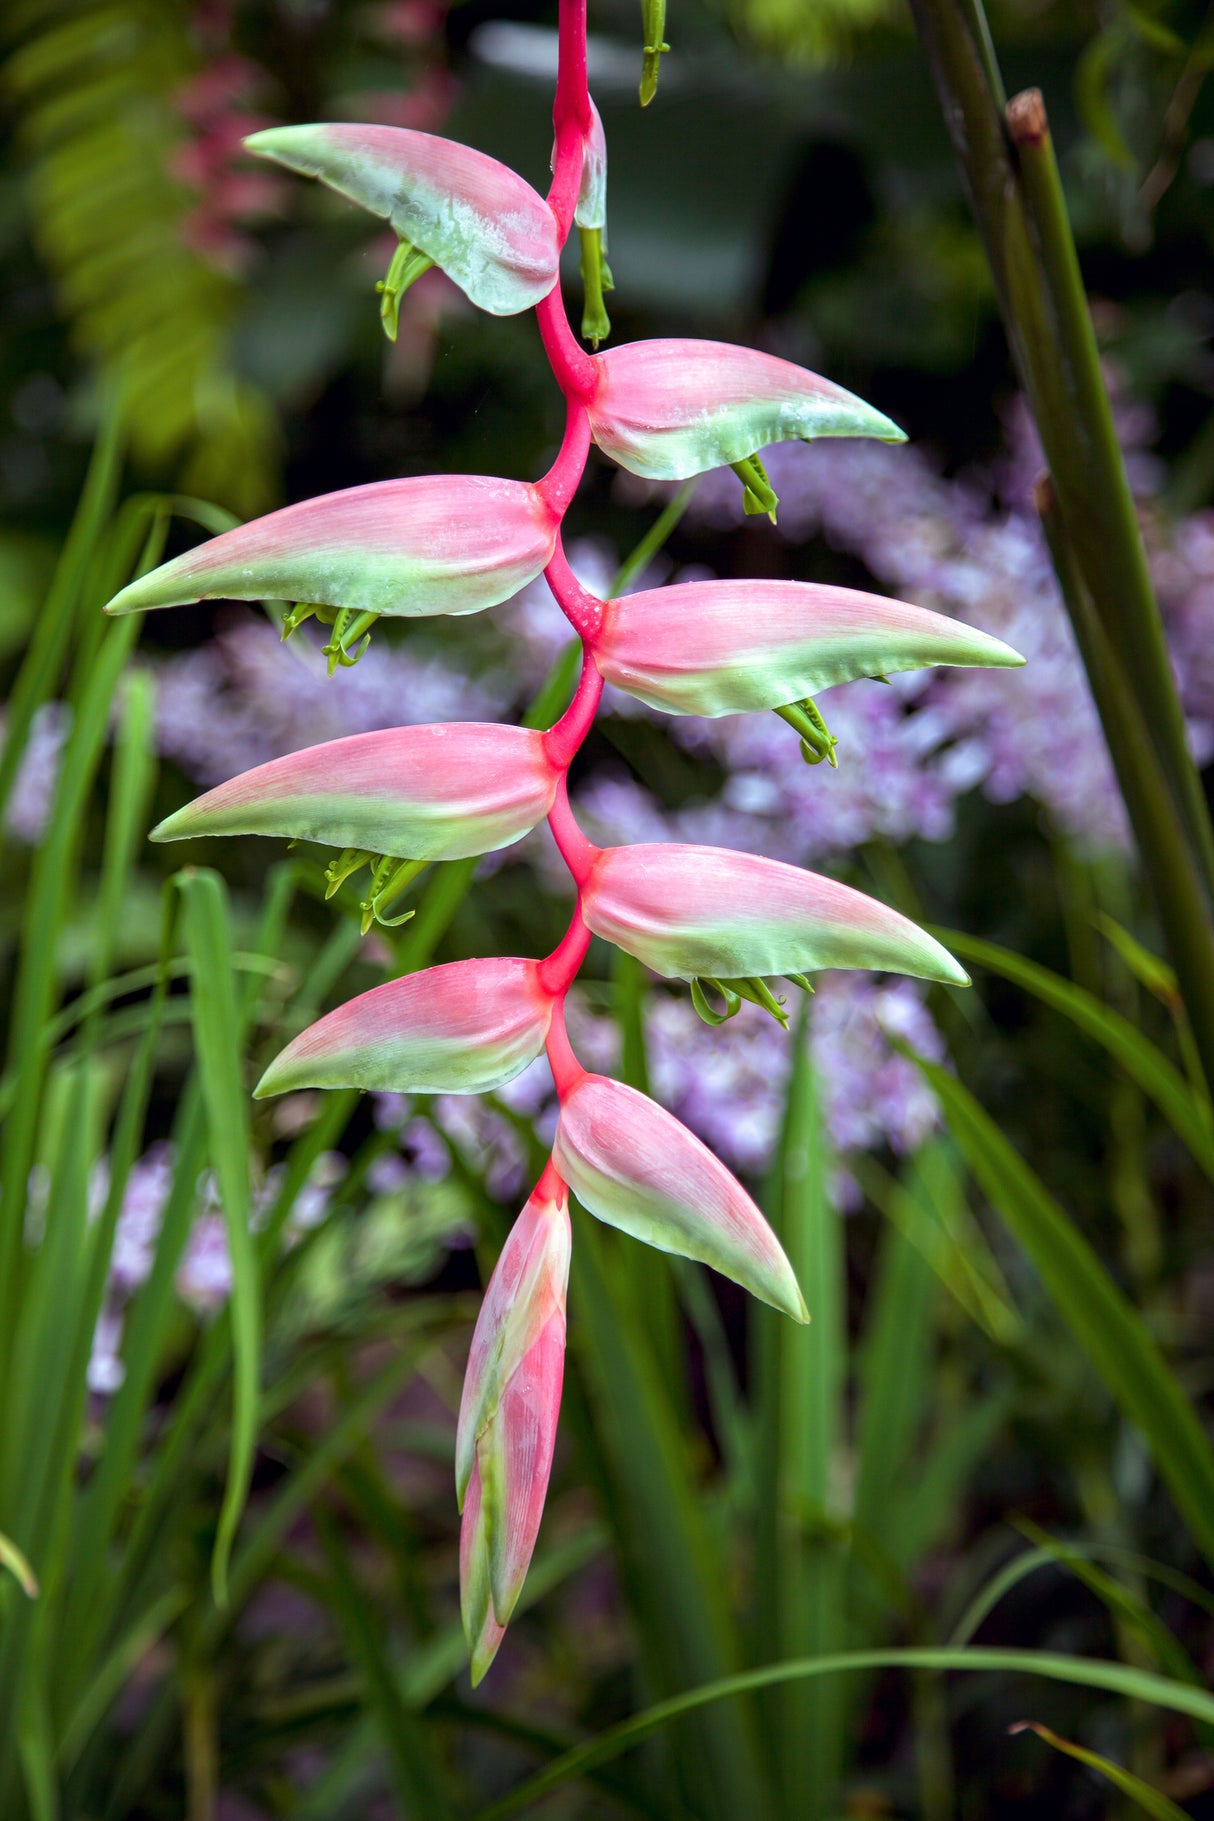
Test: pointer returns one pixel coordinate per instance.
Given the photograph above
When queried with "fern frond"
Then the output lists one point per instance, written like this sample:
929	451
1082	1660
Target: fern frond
92	85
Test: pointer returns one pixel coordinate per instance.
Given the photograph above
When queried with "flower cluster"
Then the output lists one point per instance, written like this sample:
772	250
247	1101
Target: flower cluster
395	798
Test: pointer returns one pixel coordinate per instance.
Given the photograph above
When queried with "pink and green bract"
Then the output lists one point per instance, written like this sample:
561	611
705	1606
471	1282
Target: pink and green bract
455	544
440	792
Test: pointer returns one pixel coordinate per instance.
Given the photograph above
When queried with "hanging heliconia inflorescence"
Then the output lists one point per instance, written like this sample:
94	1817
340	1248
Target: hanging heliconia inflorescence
393	801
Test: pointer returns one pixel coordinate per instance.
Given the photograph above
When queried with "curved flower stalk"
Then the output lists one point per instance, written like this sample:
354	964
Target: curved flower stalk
723	921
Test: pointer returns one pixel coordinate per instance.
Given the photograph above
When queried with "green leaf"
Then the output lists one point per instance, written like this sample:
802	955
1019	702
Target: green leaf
18	1566
801	1377
1108	1328
1187	1114
217	1037
404	1738
1151	1801
1082	1672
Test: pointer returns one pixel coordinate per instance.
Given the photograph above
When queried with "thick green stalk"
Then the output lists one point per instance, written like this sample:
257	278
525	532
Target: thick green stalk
1167	857
1011	176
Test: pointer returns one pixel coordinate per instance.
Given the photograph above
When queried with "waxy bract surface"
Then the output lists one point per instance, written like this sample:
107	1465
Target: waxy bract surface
512	1391
670	409
463	1028
717	648
708	912
439	543
441	792
484	225
634	1166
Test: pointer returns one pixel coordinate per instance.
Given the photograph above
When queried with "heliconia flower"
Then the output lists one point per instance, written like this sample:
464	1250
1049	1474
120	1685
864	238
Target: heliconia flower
463	1028
717	648
708	913
633	1165
484	225
441	792
437	543
671	409
508	1416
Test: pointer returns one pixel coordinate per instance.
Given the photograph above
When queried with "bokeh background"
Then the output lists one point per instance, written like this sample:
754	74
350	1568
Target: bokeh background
791	187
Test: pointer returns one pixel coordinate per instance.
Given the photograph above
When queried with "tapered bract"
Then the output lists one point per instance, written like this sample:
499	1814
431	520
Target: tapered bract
483	224
439	543
463	1028
512	1389
634	1166
710	913
441	792
716	648
670	409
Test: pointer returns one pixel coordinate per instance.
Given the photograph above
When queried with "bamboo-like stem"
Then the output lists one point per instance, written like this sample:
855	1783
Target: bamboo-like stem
1011	176
1166	855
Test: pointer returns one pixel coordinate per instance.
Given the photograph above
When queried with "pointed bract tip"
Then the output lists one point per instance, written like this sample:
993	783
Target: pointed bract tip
171	829
275	141
483	1651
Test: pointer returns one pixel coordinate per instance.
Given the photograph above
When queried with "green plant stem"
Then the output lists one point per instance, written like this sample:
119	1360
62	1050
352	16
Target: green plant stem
1167	857
1007	164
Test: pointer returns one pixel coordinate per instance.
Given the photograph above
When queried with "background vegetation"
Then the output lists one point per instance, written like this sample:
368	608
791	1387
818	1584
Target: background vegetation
991	1438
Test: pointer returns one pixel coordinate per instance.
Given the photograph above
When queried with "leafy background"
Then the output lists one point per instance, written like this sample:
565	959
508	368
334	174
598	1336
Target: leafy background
988	1433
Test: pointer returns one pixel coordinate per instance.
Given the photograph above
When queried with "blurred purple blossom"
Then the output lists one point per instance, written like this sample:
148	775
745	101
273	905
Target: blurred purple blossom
33	791
244	698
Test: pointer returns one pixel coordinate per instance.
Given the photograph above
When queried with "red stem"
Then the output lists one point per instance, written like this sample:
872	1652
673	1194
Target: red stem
567	1071
577	851
583	610
561	741
576	373
560	483
557	970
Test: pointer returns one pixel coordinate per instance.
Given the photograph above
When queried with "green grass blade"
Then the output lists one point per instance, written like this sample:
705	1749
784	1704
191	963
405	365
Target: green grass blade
17	1563
405	1739
931	1214
52	631
1126	1608
1052	1666
801	1373
893	1374
676	1577
1160	1081
220	1066
134	779
34	998
1107	1326
1150	1801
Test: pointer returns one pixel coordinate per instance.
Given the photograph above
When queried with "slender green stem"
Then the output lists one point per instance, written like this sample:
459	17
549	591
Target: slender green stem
1010	173
1167	858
